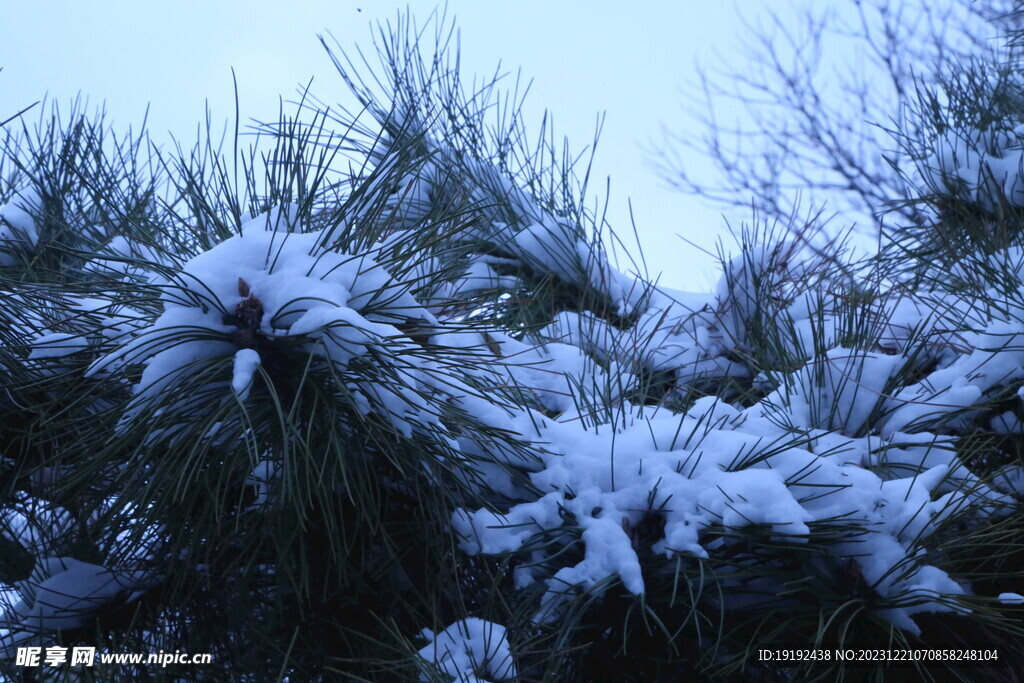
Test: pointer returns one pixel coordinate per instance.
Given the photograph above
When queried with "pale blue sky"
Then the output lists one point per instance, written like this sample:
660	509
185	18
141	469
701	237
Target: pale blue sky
629	60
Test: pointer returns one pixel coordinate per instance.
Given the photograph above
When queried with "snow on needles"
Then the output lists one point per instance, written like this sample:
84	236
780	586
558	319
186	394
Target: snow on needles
843	437
983	167
64	593
714	467
471	651
18	233
261	290
816	438
846	437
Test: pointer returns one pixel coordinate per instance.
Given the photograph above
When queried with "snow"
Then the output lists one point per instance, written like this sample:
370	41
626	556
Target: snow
18	231
247	361
1011	598
984	167
692	469
264	477
56	345
839	391
471	651
38	525
553	246
478	276
65	593
844	436
266	287
1010	479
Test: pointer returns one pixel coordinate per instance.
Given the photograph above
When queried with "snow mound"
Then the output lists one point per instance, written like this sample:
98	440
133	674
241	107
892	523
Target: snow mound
471	651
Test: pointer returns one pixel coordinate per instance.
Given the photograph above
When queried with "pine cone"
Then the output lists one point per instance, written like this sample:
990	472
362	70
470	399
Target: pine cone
248	316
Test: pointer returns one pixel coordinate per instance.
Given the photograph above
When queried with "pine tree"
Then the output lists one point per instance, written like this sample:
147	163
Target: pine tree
371	401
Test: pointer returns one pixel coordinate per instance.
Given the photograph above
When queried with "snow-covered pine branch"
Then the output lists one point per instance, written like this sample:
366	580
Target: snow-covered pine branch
307	424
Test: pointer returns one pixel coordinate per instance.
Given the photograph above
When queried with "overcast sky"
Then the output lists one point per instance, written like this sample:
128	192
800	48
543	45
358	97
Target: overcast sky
629	60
